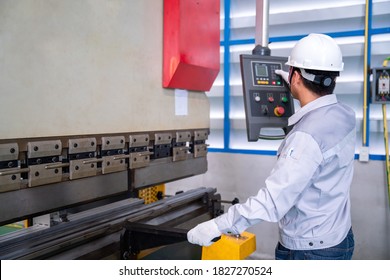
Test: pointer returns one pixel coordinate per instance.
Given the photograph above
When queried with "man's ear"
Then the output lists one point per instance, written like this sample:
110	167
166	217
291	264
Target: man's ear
295	76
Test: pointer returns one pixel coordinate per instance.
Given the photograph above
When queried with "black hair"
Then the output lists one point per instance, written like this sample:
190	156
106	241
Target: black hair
324	83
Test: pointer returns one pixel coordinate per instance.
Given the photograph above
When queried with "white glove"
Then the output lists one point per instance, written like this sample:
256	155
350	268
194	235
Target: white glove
204	233
283	74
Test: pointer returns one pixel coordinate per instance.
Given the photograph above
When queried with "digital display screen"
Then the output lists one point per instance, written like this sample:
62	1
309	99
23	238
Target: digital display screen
261	70
263	74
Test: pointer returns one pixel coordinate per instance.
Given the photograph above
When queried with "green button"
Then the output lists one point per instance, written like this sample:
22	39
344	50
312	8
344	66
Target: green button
284	99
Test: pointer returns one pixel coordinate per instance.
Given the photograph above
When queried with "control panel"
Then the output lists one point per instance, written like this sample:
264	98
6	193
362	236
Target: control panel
380	87
267	99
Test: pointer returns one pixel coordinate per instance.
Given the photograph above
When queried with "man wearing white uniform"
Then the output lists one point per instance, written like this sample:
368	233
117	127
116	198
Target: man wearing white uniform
308	190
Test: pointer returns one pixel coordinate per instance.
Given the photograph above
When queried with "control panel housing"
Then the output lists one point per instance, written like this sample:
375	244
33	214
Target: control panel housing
267	99
380	86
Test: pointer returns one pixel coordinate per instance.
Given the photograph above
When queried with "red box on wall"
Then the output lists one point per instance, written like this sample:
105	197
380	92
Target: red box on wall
191	44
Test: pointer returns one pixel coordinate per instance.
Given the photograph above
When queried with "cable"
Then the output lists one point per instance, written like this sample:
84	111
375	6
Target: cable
365	71
386	138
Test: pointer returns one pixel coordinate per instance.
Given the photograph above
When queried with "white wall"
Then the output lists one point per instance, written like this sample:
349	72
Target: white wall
241	175
86	67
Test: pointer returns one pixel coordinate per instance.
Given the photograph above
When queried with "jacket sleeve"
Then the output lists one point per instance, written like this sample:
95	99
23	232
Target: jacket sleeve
295	169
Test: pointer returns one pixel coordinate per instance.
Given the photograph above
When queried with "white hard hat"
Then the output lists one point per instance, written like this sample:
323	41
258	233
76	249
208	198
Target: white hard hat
316	52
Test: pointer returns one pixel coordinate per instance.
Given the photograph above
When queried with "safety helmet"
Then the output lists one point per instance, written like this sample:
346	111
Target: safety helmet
316	52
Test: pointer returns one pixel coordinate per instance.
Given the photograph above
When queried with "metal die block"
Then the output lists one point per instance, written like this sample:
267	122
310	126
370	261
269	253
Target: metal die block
112	164
42	174
10	179
162	145
162	138
139	140
200	135
139	159
180	153
114	142
82	145
161	151
9	151
165	170
82	168
44	148
200	150
184	136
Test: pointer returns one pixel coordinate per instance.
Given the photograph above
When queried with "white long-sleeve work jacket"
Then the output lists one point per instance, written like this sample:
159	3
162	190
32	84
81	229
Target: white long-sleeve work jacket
308	190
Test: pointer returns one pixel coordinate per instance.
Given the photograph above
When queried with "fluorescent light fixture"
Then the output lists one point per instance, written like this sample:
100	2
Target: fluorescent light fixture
235	82
237	115
350	40
216	115
308	6
313	5
350	79
241	48
380	38
282	45
218	83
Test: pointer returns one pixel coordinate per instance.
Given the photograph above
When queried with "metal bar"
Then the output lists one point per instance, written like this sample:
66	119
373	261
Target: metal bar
96	160
181	216
176	232
54	166
139	237
262	19
121	157
14	171
85	228
63	194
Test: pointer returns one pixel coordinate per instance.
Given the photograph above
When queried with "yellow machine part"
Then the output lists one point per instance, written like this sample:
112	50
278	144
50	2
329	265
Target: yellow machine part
231	248
13	227
149	195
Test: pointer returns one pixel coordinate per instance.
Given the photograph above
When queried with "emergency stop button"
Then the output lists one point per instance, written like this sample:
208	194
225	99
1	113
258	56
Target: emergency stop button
279	111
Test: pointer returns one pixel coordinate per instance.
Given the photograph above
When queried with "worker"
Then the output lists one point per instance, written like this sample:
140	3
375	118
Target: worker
308	190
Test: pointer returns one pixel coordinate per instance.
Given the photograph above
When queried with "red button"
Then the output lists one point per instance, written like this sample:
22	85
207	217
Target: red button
279	111
271	99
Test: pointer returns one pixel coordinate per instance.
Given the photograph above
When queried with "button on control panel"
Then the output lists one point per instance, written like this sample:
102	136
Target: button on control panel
270	104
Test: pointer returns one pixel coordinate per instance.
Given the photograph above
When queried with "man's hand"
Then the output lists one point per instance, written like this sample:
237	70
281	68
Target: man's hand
283	74
204	233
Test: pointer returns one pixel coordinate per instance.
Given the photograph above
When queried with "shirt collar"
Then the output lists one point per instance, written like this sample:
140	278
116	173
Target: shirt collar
317	103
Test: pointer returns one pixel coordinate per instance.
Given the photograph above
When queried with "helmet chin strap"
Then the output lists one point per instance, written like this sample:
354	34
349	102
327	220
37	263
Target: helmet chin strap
317	79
